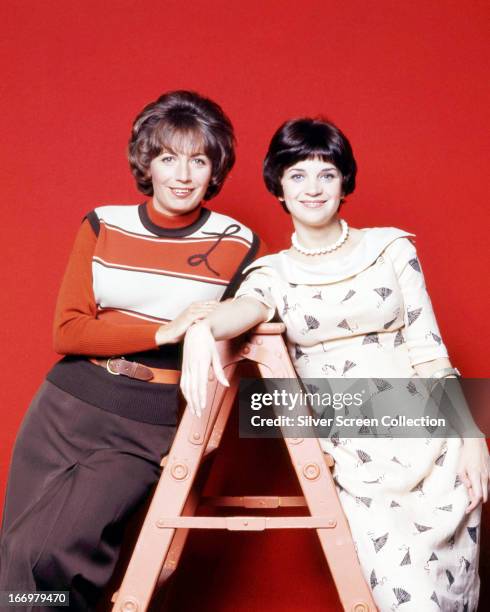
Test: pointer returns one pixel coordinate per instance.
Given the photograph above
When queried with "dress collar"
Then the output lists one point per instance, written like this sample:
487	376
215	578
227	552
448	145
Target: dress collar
373	243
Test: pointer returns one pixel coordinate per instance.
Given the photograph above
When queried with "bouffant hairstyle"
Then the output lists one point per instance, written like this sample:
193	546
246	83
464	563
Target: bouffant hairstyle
305	138
182	122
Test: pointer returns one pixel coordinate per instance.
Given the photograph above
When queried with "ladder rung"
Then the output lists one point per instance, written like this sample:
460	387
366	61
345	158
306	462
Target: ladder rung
254	501
246	523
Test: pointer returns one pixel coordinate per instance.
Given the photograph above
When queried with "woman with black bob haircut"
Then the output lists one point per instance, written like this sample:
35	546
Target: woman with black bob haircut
355	305
301	139
90	447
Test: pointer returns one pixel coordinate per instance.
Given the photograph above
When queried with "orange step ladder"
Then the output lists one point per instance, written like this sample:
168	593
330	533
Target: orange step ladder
172	510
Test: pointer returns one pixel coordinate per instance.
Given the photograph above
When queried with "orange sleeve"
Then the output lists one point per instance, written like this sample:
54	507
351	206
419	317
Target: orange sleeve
77	331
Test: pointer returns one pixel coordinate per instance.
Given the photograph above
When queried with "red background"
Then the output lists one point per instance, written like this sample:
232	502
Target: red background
407	82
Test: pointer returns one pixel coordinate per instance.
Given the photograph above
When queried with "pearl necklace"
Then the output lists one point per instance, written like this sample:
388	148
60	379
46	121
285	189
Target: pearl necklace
328	249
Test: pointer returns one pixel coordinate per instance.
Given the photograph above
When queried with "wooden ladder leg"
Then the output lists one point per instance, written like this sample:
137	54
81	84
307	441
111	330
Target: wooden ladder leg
317	484
175	551
169	499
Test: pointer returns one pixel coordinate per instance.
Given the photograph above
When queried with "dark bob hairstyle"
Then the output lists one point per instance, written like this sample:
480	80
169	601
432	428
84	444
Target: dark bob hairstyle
306	138
184	122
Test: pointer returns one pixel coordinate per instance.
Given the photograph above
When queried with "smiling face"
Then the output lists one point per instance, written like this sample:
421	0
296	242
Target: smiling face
312	192
180	180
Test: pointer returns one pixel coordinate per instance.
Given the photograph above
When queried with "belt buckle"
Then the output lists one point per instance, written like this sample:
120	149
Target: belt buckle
108	366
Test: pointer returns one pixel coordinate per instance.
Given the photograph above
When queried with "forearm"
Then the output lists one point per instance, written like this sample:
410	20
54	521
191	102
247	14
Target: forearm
86	335
169	333
450	398
234	317
426	369
229	319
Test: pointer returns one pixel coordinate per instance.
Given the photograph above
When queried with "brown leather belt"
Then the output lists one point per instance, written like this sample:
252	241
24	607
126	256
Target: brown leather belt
118	366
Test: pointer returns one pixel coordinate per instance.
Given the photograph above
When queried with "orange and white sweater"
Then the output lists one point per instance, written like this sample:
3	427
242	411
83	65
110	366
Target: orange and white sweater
131	270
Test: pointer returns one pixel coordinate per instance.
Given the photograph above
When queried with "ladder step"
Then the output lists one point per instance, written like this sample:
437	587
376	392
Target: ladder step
254	501
246	523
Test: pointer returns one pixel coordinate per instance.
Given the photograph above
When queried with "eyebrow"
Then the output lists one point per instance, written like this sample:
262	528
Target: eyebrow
169	151
295	169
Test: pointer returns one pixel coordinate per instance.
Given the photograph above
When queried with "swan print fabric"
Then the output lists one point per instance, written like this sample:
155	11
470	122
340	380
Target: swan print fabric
371	316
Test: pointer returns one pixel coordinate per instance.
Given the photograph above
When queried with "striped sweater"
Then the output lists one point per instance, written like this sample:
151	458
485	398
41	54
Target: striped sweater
131	270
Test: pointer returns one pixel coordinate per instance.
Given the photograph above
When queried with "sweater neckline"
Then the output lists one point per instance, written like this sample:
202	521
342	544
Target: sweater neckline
165	225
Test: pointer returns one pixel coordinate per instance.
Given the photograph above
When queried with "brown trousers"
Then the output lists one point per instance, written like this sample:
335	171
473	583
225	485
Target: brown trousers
77	474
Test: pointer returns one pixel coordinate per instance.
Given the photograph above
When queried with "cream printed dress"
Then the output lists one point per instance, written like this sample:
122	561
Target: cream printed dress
370	317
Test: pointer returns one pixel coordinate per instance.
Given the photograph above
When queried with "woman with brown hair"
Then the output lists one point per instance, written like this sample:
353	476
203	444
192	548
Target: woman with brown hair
90	446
